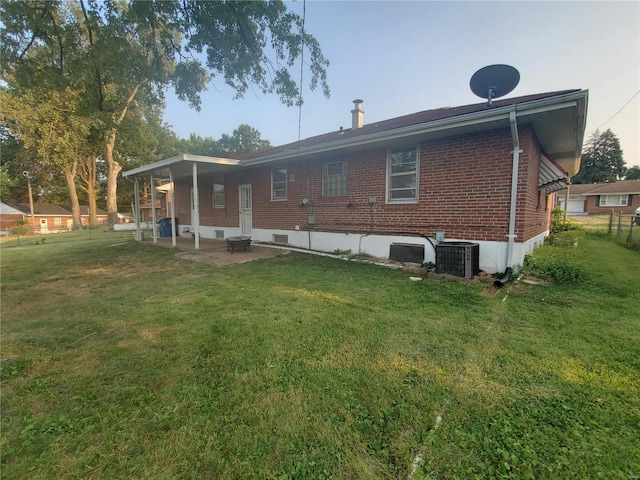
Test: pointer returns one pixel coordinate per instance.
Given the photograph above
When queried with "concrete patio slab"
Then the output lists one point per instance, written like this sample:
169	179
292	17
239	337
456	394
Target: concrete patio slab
214	252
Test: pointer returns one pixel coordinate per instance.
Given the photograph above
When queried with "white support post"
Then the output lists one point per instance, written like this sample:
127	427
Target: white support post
153	209
173	210
196	207
136	214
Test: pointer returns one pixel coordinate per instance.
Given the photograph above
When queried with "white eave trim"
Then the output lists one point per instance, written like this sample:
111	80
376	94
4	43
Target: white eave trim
569	100
147	169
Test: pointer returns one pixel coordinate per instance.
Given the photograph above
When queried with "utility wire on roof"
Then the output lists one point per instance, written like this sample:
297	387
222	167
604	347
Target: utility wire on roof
622	108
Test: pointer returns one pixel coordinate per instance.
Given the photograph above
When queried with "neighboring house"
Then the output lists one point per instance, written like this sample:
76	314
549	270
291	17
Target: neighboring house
592	198
10	217
47	218
388	185
101	216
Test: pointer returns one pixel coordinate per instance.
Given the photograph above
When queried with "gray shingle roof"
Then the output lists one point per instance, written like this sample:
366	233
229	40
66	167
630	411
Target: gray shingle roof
619	187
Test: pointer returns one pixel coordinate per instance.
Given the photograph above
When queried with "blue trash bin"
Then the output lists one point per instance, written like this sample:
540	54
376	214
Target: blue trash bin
165	227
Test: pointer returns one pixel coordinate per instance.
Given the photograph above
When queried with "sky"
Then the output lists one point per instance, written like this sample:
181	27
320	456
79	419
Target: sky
403	57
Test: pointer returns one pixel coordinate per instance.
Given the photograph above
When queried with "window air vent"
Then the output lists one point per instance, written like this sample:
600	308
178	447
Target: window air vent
284	239
406	252
219	234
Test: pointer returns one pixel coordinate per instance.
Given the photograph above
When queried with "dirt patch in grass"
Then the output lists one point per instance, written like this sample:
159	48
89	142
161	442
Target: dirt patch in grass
222	257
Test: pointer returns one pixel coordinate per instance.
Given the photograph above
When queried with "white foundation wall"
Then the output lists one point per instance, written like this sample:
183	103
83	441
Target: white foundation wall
493	255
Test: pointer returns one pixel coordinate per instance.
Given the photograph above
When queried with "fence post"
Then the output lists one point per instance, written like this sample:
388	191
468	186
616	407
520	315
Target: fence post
610	222
630	236
619	233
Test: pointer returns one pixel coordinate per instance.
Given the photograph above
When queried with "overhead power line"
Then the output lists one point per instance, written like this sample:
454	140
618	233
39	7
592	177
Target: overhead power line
621	108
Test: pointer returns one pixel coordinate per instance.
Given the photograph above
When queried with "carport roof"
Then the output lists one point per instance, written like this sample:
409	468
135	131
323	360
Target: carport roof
182	166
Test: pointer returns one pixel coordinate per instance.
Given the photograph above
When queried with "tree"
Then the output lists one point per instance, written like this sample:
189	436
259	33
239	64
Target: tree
197	145
123	53
244	139
632	173
11	185
602	160
49	129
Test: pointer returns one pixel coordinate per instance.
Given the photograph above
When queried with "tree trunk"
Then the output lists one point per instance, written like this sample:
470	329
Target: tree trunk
113	167
70	177
88	173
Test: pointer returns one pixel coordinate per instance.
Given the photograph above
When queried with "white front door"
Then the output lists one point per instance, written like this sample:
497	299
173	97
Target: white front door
245	210
44	225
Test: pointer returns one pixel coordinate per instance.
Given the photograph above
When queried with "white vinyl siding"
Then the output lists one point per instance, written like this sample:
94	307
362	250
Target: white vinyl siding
402	175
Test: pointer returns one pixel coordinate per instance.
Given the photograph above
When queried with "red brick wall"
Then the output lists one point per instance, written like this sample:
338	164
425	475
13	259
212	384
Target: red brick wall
464	190
9	220
533	215
591	205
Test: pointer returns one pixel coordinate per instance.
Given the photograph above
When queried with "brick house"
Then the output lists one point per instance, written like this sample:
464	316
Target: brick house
398	182
593	198
10	217
47	218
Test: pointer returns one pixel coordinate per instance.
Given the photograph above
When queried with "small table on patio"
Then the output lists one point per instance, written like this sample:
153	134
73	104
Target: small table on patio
236	243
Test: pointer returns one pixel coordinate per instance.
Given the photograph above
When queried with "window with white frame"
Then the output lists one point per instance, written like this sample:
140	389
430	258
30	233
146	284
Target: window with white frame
334	179
57	221
402	175
613	200
218	195
279	183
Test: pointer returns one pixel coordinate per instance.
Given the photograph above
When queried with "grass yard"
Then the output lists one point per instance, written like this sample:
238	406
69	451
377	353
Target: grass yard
124	362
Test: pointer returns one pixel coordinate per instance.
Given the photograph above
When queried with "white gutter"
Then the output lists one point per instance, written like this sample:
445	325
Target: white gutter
169	162
463	120
511	236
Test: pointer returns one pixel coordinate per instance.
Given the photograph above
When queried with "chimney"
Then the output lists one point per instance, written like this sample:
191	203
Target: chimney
357	115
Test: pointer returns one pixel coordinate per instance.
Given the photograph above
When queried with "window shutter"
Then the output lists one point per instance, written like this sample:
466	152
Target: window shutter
630	200
597	200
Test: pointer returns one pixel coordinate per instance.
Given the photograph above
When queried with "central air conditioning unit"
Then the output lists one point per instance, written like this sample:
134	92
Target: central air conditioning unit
461	259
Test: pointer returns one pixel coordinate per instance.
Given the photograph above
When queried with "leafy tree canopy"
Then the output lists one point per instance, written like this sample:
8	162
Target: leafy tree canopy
602	160
632	173
117	53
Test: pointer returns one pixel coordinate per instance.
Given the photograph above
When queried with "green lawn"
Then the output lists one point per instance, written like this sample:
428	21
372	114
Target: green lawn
124	362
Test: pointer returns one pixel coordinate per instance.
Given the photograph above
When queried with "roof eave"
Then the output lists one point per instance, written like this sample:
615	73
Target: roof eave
179	159
475	119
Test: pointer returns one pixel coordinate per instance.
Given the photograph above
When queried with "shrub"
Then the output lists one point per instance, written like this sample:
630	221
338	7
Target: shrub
557	266
559	223
22	228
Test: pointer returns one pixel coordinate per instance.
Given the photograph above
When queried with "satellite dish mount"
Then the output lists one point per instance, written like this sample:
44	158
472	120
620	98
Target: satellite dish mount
494	81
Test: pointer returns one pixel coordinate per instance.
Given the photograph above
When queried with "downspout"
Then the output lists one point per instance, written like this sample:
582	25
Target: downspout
153	209
566	198
511	236
173	209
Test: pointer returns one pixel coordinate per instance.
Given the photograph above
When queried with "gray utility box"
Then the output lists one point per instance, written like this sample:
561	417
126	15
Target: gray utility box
461	259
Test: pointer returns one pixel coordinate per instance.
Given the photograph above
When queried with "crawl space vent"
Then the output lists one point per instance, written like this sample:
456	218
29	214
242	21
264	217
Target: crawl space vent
406	252
219	234
461	259
281	239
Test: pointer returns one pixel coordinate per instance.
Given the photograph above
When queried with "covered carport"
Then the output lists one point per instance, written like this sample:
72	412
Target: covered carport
168	171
